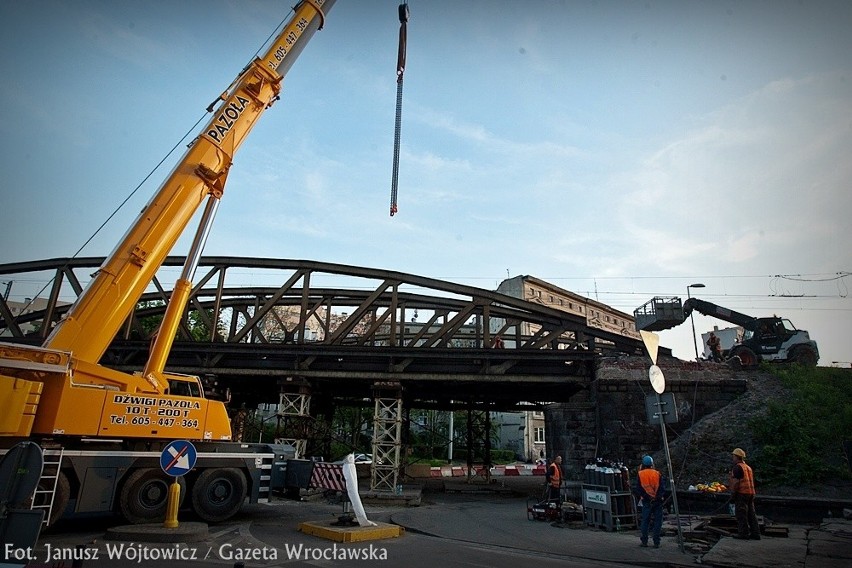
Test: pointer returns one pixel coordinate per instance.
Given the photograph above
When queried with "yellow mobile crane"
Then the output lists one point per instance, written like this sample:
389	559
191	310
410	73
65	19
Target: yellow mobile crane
112	426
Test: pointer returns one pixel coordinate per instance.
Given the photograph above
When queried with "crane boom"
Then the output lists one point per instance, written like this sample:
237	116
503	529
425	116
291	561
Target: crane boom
110	297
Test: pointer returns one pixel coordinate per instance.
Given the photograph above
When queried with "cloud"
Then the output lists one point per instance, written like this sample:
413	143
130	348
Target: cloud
764	177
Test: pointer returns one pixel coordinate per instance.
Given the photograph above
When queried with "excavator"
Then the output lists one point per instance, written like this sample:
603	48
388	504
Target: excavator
106	429
773	339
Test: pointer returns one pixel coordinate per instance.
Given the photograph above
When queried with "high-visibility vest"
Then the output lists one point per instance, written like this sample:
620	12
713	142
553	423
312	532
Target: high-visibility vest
555	475
746	484
649	479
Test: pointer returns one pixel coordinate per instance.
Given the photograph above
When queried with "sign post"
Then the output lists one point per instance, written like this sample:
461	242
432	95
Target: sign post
658	383
176	460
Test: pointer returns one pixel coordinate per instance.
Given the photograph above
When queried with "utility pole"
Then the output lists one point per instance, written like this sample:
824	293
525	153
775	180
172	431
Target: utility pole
694	340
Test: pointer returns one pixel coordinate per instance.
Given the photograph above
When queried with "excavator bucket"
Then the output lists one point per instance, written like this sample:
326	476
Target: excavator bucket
659	314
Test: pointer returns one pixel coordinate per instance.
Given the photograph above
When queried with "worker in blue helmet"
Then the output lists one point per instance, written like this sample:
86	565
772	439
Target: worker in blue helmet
650	489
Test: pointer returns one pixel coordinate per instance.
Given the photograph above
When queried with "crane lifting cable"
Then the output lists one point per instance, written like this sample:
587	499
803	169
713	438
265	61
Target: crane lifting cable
400	70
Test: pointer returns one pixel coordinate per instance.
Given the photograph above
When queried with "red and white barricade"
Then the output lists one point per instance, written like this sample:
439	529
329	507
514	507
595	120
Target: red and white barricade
328	476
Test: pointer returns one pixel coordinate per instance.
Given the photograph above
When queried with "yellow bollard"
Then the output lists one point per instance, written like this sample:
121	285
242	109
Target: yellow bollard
171	521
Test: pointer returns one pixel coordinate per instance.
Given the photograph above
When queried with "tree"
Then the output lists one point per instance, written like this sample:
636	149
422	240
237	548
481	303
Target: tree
198	327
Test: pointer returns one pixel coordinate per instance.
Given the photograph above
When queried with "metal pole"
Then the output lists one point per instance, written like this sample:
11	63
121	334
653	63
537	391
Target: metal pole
692	320
671	473
452	435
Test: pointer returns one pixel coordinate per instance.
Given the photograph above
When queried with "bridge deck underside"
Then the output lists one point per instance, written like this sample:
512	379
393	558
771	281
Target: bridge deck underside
429	377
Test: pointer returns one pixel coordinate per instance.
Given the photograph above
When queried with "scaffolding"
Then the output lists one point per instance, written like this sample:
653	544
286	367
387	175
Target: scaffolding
387	437
294	411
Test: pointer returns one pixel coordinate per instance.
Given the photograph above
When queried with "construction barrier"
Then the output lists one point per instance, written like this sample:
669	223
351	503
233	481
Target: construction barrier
328	476
496	471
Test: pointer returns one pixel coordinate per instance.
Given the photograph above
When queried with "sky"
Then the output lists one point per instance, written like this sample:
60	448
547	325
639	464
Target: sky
622	150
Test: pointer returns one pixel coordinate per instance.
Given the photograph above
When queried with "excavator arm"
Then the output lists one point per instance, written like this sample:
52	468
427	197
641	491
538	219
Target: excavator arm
665	313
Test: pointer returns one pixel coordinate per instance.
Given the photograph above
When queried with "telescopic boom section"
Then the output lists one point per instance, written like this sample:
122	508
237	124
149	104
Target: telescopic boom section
110	297
718	312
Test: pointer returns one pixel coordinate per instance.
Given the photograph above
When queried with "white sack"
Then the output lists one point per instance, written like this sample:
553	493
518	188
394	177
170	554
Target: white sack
351	477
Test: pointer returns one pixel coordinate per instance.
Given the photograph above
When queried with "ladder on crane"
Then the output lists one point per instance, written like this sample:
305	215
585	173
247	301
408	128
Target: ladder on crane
45	493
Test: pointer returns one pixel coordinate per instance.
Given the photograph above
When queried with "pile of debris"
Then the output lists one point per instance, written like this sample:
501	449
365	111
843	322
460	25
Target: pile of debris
700	533
703	451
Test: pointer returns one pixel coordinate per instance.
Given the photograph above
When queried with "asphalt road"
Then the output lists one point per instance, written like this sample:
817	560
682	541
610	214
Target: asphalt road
447	530
268	535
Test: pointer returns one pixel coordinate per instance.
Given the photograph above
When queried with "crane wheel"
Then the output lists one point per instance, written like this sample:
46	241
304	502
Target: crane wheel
218	494
145	495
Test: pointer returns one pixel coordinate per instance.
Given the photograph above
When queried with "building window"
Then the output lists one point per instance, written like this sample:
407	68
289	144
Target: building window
539	435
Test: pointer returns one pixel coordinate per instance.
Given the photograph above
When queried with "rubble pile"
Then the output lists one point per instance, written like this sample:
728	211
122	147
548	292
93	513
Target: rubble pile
701	452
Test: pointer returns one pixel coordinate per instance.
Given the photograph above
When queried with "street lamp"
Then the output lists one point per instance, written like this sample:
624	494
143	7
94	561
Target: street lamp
692	320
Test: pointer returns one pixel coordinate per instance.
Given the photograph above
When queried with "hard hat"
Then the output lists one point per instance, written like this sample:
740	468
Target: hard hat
739	452
648	461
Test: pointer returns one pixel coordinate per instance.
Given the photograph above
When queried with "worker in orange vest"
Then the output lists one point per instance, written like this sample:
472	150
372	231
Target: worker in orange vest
742	495
651	490
554	479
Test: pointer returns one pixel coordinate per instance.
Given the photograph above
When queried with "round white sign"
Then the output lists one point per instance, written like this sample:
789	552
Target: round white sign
658	381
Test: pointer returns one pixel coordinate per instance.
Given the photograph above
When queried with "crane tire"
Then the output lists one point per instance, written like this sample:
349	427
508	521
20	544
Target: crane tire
60	498
218	494
144	495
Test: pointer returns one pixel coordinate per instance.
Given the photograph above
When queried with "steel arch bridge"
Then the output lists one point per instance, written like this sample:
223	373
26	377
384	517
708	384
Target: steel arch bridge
256	324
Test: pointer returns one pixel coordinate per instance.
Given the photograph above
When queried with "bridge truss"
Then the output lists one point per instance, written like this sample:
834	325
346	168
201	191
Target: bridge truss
271	330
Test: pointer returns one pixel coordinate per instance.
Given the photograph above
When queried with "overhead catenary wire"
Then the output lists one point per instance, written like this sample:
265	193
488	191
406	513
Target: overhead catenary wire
397	131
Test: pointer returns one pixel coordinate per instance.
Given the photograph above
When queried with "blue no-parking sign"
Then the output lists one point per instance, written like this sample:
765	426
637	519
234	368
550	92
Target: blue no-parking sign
178	458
